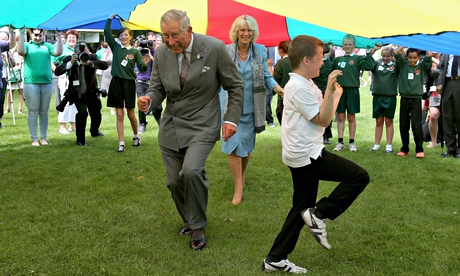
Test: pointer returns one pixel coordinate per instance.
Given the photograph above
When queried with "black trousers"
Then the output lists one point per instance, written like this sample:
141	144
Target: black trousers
2	96
451	114
330	167
91	103
410	112
141	87
268	107
279	109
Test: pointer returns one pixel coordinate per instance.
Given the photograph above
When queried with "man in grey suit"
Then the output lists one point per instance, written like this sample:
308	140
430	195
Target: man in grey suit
449	84
191	121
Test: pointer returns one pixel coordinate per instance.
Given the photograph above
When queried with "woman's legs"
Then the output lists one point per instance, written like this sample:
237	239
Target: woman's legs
8	100
433	124
21	101
38	102
46	91
237	168
32	93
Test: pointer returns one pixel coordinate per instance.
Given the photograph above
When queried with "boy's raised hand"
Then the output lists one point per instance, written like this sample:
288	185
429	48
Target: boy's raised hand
332	80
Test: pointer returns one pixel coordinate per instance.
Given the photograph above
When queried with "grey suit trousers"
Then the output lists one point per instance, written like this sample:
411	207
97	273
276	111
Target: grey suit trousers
451	114
186	179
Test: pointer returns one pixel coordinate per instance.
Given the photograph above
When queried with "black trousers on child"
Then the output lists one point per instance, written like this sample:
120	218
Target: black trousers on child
330	167
410	111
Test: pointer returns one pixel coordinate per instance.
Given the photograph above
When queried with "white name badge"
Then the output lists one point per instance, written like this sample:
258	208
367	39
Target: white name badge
76	83
410	76
380	68
124	62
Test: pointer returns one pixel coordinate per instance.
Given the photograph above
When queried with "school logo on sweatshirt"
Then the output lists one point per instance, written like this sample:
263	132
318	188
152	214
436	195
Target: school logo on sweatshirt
351	62
391	68
417	72
130	56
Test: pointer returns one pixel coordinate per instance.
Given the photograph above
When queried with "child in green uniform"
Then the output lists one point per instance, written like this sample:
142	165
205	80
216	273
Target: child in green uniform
321	82
411	74
123	84
351	65
385	90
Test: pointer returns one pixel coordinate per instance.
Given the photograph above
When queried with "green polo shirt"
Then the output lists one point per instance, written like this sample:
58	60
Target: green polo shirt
37	63
66	51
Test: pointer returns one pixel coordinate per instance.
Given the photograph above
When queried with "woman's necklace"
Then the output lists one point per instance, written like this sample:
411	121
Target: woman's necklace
242	56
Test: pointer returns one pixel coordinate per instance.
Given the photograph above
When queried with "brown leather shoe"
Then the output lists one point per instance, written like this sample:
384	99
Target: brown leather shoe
185	231
198	239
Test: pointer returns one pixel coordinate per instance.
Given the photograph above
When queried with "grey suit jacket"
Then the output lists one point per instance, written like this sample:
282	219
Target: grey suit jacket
193	114
443	65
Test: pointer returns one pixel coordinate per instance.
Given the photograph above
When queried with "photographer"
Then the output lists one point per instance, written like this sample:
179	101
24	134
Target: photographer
82	90
146	47
67	115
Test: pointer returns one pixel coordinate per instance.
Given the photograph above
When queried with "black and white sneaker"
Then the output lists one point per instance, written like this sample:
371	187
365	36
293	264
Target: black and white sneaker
136	141
317	226
283	265
121	148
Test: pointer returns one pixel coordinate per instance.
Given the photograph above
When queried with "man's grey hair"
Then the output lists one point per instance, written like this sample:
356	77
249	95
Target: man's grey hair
179	16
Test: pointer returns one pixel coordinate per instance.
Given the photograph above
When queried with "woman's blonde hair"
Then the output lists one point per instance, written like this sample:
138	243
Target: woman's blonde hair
240	22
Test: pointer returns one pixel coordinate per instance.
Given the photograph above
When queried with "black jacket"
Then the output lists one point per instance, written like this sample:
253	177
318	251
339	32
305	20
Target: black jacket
90	73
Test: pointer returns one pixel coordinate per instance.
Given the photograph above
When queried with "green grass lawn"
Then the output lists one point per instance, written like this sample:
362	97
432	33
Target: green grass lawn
68	210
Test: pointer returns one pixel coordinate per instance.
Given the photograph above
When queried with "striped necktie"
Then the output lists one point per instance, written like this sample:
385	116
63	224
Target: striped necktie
184	70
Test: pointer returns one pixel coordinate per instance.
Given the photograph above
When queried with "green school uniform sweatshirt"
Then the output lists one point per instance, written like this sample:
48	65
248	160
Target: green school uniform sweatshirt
385	80
411	78
123	59
351	66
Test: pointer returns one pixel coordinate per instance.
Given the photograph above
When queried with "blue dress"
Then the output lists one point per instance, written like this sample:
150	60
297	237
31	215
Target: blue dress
244	139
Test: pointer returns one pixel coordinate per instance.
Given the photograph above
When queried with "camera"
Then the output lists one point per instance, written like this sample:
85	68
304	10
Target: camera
100	92
80	49
145	46
68	98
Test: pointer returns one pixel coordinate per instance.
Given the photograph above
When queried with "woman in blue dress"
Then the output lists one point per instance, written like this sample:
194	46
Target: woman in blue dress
252	62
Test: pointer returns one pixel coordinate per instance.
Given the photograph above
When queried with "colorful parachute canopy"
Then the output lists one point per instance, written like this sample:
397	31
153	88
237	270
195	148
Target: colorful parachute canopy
414	23
212	17
409	23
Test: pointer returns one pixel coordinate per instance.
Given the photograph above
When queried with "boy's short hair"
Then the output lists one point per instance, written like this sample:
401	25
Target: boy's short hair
303	46
349	37
413	50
